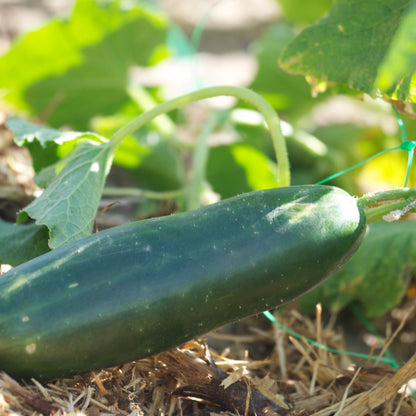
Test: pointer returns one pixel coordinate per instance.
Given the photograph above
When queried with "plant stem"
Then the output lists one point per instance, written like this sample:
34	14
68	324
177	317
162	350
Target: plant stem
142	193
382	196
145	102
377	213
269	114
199	163
388	201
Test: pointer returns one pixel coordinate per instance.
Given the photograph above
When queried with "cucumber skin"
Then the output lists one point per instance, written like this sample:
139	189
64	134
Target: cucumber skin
138	289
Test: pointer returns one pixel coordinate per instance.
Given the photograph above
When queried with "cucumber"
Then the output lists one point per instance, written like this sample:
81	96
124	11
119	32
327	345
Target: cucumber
138	289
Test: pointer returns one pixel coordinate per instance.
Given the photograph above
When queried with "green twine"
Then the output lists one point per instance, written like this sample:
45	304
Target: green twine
406	145
335	175
358	312
391	361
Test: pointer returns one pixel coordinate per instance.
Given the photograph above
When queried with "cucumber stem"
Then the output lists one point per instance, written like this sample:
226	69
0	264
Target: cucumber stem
380	212
377	206
270	116
382	196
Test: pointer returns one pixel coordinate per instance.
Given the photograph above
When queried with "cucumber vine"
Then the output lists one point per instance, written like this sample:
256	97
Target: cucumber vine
270	116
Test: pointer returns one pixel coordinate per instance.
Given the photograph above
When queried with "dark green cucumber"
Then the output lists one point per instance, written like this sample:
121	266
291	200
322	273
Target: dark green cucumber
138	289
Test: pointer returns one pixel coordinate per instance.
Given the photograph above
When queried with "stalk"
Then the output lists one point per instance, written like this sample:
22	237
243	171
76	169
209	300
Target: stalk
142	193
270	116
387	205
199	164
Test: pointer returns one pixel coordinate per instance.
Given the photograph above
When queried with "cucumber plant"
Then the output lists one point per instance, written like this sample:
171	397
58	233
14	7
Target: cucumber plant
135	290
138	289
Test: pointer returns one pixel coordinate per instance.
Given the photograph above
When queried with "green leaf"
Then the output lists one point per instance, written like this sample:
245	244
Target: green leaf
69	71
239	168
21	243
43	142
286	92
226	177
304	11
348	46
69	205
261	172
161	168
397	72
377	275
25	132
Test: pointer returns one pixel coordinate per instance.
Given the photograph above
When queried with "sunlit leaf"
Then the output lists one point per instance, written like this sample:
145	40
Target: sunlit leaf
26	132
43	142
69	205
304	11
397	72
261	172
286	92
349	46
72	70
239	168
386	171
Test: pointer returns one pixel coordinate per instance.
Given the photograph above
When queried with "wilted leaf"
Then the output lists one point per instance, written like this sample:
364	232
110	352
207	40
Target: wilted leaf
378	273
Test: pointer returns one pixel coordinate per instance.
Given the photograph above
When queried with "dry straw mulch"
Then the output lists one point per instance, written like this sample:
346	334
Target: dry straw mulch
261	371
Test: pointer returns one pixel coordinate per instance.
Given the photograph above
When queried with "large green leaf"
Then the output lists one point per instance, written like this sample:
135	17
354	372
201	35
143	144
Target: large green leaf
43	142
397	73
304	11
26	132
365	45
378	273
286	92
69	71
20	243
69	205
